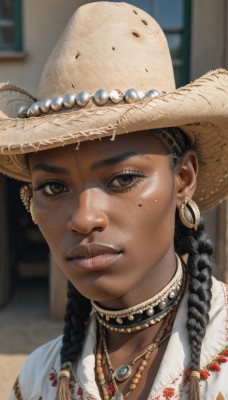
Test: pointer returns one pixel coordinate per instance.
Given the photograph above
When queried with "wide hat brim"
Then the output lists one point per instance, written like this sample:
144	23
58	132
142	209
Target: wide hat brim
200	109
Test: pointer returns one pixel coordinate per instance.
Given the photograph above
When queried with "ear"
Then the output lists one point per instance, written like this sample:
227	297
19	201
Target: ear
186	176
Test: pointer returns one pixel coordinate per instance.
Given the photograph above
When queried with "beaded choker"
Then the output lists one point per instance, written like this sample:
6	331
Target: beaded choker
147	313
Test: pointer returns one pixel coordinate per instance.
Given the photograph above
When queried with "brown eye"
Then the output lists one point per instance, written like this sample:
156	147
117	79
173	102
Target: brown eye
54	188
124	180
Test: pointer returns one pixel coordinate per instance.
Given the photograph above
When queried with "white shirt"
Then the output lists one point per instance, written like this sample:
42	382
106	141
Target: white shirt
35	384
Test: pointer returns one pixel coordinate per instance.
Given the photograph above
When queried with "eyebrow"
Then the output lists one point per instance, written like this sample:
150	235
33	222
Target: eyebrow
107	162
50	168
96	165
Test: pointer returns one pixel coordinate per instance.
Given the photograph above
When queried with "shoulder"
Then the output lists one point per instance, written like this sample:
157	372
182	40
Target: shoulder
34	376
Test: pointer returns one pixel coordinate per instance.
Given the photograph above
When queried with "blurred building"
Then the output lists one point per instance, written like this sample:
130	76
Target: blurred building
197	33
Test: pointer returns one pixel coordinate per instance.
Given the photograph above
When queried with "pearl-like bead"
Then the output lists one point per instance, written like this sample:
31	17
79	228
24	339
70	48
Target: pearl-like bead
69	100
141	95
100	97
162	305
130	317
45	105
131	96
22	112
172	295
82	98
34	110
152	93
150	312
57	103
119	320
116	96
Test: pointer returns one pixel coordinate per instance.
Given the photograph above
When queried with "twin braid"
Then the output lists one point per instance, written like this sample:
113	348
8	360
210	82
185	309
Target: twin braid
77	313
199	248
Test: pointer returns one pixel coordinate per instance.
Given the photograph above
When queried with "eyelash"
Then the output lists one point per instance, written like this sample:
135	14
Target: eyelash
44	185
136	177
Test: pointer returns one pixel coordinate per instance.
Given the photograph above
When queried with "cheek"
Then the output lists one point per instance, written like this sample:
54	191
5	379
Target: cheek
51	220
153	217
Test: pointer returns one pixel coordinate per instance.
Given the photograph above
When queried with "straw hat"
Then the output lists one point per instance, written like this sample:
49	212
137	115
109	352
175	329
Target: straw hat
110	73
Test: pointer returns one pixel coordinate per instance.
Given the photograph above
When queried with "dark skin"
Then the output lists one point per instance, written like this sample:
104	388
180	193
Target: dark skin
123	195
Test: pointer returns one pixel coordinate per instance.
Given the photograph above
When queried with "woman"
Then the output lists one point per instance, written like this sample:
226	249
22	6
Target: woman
118	215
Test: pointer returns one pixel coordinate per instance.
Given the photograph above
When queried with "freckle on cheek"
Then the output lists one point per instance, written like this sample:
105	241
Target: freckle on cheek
140	205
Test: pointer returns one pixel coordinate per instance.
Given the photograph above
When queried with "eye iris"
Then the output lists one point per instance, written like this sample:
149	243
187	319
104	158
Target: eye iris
125	180
55	188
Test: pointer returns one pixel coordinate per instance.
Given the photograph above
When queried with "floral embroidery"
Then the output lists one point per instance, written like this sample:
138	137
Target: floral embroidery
53	377
213	366
168	393
204	374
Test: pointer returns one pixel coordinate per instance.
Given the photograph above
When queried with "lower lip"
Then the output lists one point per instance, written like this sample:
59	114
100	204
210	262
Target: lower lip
95	263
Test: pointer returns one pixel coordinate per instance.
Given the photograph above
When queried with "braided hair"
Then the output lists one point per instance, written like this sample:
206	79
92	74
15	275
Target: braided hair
199	248
195	244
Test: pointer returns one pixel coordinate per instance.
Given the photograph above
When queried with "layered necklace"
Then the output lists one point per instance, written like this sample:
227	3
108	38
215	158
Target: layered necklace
108	376
145	314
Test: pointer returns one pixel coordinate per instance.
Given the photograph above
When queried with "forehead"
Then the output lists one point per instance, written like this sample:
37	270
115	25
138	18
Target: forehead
139	142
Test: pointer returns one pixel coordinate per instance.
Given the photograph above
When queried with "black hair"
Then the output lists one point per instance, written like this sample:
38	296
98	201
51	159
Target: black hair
198	248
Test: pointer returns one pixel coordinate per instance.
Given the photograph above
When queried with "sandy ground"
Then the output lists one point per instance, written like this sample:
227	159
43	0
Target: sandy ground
24	325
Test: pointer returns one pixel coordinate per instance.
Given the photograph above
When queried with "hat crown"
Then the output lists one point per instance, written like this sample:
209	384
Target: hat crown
108	46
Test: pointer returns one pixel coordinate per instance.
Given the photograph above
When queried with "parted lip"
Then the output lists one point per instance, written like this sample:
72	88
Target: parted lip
92	250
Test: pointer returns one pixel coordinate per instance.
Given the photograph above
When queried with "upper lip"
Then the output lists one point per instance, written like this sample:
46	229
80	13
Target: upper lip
92	250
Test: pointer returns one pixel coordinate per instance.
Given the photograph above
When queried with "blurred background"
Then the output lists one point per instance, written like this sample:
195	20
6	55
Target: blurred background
197	34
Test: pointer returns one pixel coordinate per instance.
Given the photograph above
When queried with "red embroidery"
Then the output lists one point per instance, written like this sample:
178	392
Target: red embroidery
168	392
80	393
222	359
204	374
53	378
225	353
213	366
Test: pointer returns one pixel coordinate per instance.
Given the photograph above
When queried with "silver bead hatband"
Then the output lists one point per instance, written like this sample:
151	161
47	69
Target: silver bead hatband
99	98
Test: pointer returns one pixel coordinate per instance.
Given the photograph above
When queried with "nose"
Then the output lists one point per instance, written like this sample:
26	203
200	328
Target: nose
88	213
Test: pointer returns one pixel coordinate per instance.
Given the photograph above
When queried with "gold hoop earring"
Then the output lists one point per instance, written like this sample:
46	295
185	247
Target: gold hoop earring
26	195
189	214
26	198
32	212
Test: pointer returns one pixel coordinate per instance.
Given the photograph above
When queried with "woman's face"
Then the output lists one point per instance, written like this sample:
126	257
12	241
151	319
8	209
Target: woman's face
107	212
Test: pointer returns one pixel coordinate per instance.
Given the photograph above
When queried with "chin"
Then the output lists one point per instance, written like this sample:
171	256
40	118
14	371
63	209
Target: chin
101	293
